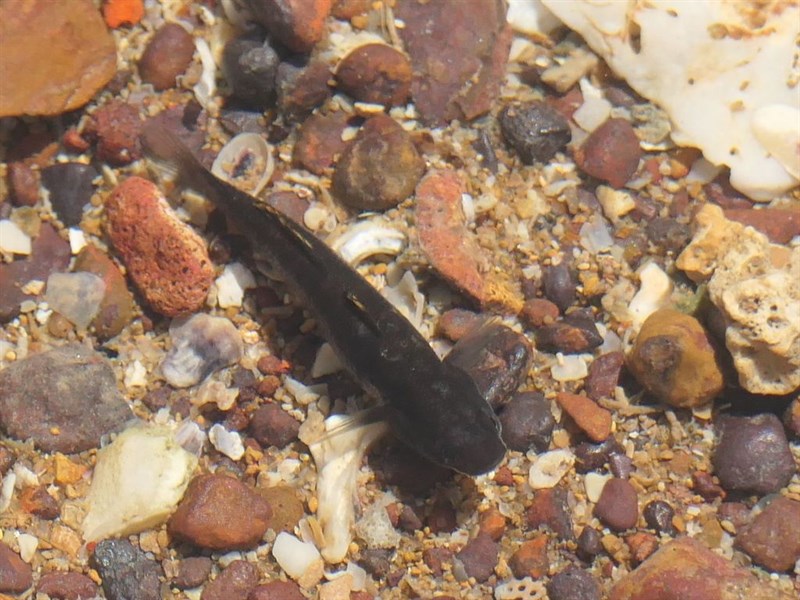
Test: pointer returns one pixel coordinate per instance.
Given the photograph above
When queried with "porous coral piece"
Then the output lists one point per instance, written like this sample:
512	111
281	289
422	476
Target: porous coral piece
757	286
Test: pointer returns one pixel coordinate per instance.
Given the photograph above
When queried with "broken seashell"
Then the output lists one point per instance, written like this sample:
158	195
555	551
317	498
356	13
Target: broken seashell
245	162
368	238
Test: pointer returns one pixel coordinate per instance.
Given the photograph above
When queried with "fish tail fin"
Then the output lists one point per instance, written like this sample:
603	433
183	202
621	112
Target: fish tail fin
171	154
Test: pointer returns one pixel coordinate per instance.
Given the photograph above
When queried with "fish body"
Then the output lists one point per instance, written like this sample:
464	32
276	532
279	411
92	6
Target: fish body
431	405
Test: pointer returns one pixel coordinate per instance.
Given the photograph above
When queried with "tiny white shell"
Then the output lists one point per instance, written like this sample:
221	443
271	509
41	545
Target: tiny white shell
368	238
245	162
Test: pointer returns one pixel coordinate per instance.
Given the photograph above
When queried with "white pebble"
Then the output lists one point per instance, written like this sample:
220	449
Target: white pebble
76	296
654	292
135	375
227	442
571	367
594	484
27	546
231	285
550	468
13	239
77	240
293	556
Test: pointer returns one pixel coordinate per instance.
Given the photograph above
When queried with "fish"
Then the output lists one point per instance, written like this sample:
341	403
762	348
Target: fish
430	405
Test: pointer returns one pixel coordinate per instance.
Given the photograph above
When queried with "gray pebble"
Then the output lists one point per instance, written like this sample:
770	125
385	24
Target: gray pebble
559	286
753	455
527	422
535	131
70	187
250	67
126	571
658	515
573	583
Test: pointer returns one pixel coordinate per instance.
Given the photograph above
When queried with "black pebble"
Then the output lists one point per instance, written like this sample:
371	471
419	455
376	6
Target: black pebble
70	187
126	571
589	544
527	422
573	583
559	286
658	515
535	131
250	68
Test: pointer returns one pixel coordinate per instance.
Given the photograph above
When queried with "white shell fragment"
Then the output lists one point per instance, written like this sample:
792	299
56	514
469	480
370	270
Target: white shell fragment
227	442
232	283
376	529
13	239
138	481
245	162
338	457
654	292
326	362
549	468
366	239
298	559
76	296
201	344
724	71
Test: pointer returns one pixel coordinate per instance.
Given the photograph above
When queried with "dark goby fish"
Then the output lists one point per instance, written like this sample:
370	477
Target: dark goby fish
431	405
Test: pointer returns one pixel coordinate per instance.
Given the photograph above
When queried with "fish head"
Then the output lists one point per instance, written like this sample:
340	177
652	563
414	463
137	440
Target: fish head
455	426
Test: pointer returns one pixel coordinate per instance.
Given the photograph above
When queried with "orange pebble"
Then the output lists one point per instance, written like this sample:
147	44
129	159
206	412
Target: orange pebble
122	12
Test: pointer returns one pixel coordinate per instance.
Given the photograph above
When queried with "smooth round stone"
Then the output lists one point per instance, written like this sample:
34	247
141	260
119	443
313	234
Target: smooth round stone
618	506
250	68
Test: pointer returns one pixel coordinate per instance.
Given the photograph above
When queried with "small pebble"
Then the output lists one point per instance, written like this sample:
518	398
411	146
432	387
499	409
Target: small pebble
535	131
302	86
641	545
76	296
115	127
497	359
192	572
575	334
479	557
287	508
550	467
297	24
319	141
772	539
455	323
593	457
669	234
436	558
527	422
550	509
277	590
15	574
573	583
589	543
116	307
674	360
126	571
539	312
201	345
559	286
409	520
380	168
791	419
7	460
594	420
442	517
220	513
530	559
704	485
604	375
753	455
67	585
618	506
70	189
273	426
779	225
250	68
611	153
234	582
375	73
23	183
36	501
167	55
87	407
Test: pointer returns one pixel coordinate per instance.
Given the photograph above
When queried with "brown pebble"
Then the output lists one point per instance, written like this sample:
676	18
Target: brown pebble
492	523
380	168
772	539
549	509
375	73
7	460
15	574
442	517
538	312
287	508
319	141
165	257
779	225
409	520
235	582
297	24
530	559
618	506
115	127
269	364
67	586
479	557
527	422
220	513
302	88
604	375
685	568
273	426
277	590
504	476
457	322
36	501
791	419
116	308
167	55
74	141
575	334
705	486
436	558
192	572
573	583
589	544
610	153
375	561
673	359
268	386
23	183
642	545
347	9
594	420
